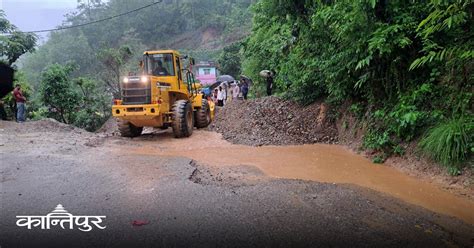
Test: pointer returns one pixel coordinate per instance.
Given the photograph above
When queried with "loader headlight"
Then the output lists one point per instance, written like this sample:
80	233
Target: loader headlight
125	79
144	79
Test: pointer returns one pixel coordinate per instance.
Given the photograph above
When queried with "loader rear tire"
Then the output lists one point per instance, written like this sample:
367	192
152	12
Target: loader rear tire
183	121
203	115
127	129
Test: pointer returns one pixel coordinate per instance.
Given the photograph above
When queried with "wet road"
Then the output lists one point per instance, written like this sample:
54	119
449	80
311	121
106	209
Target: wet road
194	203
317	162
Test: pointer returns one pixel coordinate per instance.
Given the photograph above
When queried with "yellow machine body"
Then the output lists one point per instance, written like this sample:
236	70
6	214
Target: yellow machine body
147	99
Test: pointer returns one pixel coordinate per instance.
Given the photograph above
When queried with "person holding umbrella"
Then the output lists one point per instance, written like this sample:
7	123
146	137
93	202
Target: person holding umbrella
269	80
268	75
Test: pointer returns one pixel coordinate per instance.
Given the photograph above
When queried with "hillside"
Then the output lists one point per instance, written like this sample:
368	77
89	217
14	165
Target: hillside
200	29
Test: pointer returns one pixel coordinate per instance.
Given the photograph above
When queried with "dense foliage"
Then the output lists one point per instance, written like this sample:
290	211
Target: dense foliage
406	64
195	27
74	101
230	60
57	93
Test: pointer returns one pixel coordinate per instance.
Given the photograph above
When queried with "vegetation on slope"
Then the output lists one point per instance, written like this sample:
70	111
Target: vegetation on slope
406	66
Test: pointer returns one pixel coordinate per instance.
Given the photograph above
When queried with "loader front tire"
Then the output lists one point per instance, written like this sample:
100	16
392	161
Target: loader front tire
203	115
183	121
127	129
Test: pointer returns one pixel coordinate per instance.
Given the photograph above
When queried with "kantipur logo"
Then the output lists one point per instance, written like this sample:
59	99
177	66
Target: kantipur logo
60	216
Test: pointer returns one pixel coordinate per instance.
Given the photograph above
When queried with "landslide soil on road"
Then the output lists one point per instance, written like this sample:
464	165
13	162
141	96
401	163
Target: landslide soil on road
273	121
47	135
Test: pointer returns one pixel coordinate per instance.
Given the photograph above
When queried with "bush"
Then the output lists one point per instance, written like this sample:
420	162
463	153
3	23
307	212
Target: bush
377	141
58	94
39	113
229	60
379	159
450	143
89	120
357	110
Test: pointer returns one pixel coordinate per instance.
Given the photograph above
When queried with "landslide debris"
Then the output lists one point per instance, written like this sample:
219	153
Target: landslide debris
43	125
46	135
110	127
274	121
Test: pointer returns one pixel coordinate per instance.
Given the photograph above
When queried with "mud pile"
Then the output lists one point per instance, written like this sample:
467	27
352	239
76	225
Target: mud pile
43	125
273	121
110	127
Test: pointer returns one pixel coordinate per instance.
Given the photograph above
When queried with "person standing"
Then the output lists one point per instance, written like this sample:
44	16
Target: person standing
245	88
235	92
269	83
20	104
229	94
226	91
220	97
214	95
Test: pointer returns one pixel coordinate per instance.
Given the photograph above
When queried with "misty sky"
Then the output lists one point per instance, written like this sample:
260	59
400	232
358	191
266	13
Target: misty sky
30	15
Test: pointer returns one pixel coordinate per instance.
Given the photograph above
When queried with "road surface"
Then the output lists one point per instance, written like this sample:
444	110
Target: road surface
183	193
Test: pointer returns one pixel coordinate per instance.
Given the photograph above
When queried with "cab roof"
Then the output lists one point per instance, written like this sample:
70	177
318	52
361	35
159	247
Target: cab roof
162	51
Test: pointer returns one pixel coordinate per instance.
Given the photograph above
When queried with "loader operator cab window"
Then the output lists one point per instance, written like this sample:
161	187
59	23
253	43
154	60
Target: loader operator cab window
160	65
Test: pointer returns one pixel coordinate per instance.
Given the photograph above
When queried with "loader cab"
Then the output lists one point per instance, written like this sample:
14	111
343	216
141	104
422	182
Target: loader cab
160	64
168	69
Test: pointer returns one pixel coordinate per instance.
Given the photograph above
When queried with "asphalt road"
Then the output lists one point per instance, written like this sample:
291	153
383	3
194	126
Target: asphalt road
182	203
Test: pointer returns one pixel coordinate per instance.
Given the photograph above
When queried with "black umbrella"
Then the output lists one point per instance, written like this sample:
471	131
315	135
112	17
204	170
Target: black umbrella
247	79
227	78
215	85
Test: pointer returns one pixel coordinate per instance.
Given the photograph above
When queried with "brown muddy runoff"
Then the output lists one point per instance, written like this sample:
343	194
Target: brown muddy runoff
317	162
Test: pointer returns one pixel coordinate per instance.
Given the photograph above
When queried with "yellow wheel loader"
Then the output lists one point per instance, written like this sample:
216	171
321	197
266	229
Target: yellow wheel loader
164	95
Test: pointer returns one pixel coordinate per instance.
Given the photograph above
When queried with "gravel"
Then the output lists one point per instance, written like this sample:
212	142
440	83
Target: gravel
273	121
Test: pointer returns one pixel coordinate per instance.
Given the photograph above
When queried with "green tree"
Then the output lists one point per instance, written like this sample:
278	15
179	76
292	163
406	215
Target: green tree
94	107
14	43
229	60
113	61
58	93
170	24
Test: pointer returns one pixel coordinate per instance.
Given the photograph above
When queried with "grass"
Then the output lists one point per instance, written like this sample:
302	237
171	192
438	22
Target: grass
450	143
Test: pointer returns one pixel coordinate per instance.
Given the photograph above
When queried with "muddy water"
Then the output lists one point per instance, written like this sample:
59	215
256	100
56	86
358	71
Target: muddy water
318	162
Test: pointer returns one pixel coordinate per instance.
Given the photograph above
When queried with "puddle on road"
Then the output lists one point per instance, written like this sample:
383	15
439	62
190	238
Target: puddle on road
317	162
